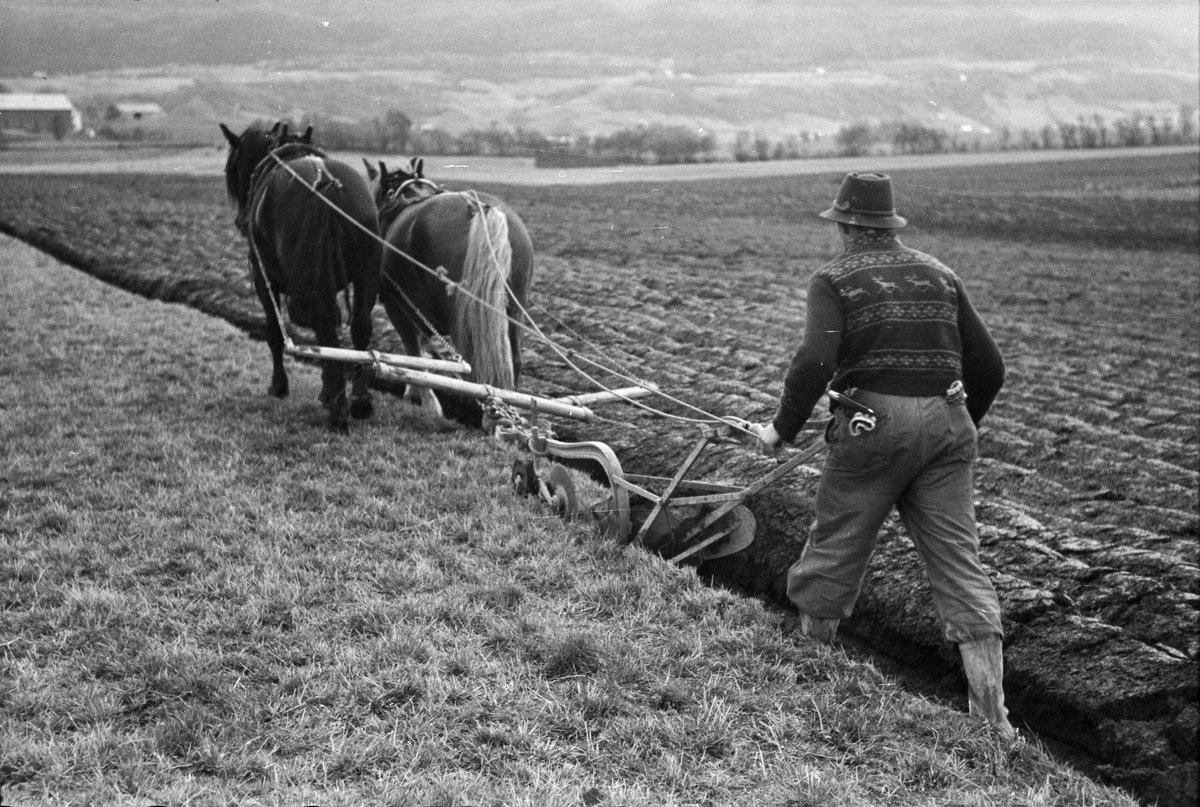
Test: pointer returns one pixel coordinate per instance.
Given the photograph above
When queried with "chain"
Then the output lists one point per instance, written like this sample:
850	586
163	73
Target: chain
502	413
439	342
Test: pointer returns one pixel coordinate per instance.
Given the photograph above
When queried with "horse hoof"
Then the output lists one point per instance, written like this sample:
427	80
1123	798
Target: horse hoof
339	426
277	390
361	408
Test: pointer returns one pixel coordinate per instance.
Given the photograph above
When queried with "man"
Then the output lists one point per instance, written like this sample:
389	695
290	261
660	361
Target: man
892	330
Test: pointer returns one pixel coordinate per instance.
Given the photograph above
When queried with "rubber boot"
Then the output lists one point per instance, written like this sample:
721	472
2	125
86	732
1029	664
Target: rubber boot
983	662
821	630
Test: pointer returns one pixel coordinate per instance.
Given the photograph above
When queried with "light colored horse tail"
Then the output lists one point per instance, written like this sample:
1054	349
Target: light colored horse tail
480	329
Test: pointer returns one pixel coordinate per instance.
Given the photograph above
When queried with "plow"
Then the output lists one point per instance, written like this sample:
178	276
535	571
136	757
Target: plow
676	517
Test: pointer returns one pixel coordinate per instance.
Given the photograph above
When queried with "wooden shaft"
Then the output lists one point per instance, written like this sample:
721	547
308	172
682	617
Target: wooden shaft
470	389
586	398
374	357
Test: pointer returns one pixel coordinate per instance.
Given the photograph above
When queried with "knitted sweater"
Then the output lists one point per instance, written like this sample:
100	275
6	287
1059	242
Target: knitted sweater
892	320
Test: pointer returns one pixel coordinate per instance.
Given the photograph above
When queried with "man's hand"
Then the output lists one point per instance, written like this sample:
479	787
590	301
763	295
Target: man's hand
768	439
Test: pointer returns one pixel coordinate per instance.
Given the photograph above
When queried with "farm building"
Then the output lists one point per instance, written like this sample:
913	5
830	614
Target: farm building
40	112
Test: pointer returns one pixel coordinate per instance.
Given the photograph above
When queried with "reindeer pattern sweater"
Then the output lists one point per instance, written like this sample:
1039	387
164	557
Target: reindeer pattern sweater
892	320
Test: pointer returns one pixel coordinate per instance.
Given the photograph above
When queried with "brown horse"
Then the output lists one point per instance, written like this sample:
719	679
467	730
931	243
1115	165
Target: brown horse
312	227
475	241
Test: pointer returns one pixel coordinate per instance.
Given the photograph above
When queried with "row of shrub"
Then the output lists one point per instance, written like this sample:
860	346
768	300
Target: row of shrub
661	143
395	133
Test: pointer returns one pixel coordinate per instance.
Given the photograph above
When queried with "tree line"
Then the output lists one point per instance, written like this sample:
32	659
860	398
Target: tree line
1086	132
661	143
396	133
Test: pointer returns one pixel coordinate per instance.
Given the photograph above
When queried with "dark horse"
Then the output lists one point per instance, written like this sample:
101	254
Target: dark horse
476	241
303	250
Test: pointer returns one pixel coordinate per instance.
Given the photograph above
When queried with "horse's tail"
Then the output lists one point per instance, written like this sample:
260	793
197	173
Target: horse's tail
316	269
480	328
358	253
336	258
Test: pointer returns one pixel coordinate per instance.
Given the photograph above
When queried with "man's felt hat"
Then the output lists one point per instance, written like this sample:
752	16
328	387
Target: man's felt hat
865	200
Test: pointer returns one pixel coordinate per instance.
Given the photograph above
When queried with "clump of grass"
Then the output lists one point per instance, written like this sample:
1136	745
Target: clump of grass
55	519
573	655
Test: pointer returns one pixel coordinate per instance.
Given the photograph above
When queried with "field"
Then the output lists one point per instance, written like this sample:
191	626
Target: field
1087	273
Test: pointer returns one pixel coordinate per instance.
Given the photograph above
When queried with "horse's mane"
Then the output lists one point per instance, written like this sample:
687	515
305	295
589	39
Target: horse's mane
245	163
253	145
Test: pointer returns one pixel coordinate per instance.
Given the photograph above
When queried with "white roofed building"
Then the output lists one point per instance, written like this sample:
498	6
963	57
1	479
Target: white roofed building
39	112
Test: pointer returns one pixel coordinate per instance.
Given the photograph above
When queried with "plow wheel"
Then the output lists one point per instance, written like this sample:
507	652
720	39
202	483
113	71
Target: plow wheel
561	490
524	478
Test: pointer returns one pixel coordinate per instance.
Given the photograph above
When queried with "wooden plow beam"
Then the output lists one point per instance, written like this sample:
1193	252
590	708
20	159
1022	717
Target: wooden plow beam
374	357
607	396
521	400
423	372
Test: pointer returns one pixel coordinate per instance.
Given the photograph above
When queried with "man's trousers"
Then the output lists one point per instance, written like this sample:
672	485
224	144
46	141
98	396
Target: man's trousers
919	458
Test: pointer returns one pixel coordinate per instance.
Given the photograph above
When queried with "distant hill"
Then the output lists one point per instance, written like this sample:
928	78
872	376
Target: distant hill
701	37
768	66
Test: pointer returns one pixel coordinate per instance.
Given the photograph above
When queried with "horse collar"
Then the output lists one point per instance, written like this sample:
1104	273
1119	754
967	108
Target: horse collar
279	155
396	197
394	204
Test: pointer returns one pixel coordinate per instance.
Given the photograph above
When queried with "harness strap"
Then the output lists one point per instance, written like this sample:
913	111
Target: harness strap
395	202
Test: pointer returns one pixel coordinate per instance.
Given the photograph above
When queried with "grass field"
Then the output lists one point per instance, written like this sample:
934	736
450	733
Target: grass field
208	599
